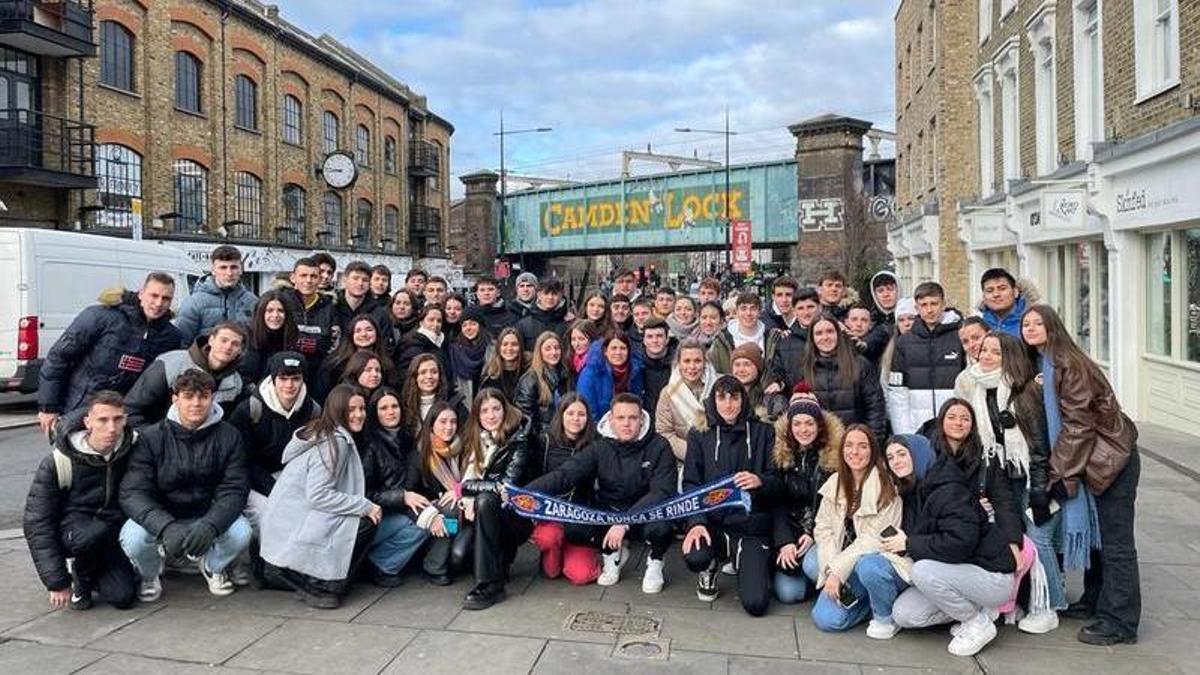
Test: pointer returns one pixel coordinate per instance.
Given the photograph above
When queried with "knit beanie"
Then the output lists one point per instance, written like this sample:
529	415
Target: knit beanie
527	277
906	307
751	352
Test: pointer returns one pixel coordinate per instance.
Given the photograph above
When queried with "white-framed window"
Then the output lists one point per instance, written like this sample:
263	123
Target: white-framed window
1089	77
1007	7
1040	31
987	131
985	20
1008	80
1172	312
1156	46
1077	287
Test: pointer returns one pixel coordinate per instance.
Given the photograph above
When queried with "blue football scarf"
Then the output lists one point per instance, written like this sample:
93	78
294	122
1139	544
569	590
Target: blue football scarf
721	494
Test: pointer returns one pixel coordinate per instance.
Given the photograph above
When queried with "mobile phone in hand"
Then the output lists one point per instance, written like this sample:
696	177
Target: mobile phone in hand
889	531
846	597
451	525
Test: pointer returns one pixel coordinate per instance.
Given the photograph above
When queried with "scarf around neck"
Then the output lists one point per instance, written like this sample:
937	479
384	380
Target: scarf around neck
435	338
1011	449
467	356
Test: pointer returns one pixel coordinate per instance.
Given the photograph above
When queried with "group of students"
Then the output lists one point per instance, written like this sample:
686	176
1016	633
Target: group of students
906	466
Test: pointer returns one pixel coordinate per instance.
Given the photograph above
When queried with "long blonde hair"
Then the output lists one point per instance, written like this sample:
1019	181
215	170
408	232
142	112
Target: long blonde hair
538	367
494	368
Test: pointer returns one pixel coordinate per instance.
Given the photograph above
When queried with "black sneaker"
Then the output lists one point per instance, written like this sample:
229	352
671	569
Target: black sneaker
81	594
706	585
1103	635
1079	610
384	579
317	599
439	579
484	596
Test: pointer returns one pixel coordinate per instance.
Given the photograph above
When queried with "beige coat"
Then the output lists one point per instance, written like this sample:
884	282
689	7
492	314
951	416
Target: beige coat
678	412
869	521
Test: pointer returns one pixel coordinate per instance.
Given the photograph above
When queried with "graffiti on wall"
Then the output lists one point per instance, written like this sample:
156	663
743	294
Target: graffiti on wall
821	214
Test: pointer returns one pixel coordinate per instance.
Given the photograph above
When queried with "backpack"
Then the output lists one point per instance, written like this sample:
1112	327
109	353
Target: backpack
62	468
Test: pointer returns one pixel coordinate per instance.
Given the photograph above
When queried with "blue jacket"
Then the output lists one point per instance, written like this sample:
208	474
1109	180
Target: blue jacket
106	347
596	379
209	305
1011	323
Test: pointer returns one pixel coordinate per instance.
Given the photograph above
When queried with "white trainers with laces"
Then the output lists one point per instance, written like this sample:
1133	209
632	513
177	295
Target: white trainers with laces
218	583
882	629
1039	622
613	562
652	579
975	634
728	569
150	589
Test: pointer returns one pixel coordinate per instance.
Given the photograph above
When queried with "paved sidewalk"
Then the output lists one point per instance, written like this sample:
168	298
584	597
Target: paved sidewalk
550	627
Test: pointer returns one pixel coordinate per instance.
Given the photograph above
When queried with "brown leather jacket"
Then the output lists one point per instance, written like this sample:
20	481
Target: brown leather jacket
1096	439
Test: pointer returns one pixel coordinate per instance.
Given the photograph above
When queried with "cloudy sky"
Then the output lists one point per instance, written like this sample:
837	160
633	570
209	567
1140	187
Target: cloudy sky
610	75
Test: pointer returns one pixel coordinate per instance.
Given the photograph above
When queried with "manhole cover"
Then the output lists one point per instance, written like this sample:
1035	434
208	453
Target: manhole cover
641	649
610	622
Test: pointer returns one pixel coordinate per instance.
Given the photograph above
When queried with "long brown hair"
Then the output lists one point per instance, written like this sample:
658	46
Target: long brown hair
1060	347
334	414
843	354
558	434
336	362
538	367
261	335
410	393
472	444
845	476
358	363
494	368
1018	372
425	442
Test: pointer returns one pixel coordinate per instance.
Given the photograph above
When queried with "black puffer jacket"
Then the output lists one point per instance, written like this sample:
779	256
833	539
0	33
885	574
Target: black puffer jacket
498	317
991	480
626	476
944	521
265	437
180	474
343	315
554	453
538	321
507	465
656	372
861	402
725	448
416	343
925	363
106	347
801	479
1033	425
60	522
785	366
387	461
314	327
526	397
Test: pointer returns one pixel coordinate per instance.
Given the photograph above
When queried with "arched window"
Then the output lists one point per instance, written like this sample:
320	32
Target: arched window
247	190
330	127
293	116
191	196
331	231
295	209
364	215
119	183
389	154
116	56
362	145
390	239
187	83
245	103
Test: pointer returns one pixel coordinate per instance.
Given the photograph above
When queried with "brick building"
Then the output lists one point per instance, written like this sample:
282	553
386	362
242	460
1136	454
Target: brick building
1084	154
210	120
935	127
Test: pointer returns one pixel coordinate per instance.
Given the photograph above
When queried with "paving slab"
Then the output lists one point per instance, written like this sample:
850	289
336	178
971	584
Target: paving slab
432	653
728	632
554	588
417	604
679	591
17	656
75	629
920	648
1038	661
305	646
131	664
190	634
536	617
24	596
573	658
1188	574
752	665
190	592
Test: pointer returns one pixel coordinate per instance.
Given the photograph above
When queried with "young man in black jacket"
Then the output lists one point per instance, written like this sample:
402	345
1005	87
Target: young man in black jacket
497	314
658	355
185	489
632	468
355	298
313	313
734	444
547	314
925	363
217	354
72	510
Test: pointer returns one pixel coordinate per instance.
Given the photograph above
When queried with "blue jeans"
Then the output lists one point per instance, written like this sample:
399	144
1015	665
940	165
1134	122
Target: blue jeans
875	583
1043	538
791	588
397	539
142	547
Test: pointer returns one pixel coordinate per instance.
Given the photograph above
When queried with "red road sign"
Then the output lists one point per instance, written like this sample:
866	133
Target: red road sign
742	243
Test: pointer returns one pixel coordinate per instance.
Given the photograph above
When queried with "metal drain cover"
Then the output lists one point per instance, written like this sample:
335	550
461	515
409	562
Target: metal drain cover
643	647
610	622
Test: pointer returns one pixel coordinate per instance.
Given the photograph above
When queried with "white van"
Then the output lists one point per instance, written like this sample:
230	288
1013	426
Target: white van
47	277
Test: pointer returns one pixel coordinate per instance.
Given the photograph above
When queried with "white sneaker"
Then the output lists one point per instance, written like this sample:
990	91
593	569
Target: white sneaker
882	630
150	589
974	636
613	562
218	583
652	580
706	586
728	569
992	613
1039	622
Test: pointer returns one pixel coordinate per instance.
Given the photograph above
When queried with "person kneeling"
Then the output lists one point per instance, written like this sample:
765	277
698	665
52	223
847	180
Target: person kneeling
185	489
71	511
631	468
318	523
734	444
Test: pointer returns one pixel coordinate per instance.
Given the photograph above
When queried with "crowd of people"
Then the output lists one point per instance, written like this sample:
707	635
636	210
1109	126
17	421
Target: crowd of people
907	466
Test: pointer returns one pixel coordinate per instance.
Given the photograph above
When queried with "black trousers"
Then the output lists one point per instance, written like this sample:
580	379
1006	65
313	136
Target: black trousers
104	567
449	555
658	536
499	532
1112	583
282	578
739	539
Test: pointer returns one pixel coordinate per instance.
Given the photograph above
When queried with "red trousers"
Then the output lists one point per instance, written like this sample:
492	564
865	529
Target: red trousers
579	564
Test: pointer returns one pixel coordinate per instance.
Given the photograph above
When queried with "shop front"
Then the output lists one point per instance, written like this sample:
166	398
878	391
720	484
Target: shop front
913	245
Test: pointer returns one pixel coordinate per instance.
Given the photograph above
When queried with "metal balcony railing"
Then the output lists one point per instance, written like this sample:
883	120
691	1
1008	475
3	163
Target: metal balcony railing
423	159
34	140
49	27
424	220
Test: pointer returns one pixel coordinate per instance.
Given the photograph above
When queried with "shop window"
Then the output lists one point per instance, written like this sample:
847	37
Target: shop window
1191	243
1158	294
1076	286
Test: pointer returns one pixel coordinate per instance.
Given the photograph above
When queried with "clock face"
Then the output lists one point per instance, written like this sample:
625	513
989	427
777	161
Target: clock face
339	170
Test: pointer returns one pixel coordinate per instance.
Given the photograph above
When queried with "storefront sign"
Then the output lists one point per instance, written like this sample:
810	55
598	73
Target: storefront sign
743	245
1063	209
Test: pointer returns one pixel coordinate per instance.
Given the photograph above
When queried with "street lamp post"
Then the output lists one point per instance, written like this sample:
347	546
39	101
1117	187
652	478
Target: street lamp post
504	175
726	133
